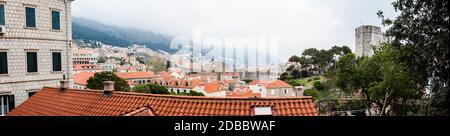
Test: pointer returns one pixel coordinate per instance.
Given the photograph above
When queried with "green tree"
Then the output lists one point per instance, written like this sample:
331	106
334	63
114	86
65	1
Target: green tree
421	34
140	60
354	75
96	82
157	64
194	93
295	58
150	89
191	93
101	60
318	86
397	86
383	81
312	92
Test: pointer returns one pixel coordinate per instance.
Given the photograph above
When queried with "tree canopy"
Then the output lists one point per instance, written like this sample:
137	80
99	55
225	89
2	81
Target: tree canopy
421	35
96	82
150	89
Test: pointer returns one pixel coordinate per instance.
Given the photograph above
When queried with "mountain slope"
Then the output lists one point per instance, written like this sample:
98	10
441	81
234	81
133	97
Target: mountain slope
89	30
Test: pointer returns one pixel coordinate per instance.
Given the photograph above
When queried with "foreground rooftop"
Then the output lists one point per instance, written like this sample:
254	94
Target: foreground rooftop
54	102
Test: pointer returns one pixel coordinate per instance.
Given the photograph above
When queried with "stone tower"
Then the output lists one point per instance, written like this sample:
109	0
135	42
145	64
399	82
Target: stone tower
367	37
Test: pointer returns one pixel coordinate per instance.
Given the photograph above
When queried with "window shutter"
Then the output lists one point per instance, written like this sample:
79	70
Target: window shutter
56	57
3	63
11	102
2	14
30	17
32	62
56	20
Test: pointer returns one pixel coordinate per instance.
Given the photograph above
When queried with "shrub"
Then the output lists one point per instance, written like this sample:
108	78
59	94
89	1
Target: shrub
312	92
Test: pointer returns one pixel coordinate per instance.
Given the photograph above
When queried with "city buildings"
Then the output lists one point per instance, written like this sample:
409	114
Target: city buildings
35	42
272	88
133	78
84	56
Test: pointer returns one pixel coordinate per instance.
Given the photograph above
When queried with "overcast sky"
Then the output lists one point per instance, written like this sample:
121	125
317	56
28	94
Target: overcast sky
298	24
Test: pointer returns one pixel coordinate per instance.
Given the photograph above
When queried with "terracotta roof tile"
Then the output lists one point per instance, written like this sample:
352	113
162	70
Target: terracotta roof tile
52	102
271	84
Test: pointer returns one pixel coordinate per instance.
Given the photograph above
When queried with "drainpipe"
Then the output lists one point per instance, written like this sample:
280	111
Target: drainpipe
67	38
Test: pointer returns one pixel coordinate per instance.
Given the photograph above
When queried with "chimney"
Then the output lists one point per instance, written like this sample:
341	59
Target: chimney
108	88
64	85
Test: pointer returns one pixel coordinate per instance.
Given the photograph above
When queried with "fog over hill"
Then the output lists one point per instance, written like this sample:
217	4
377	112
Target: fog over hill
90	30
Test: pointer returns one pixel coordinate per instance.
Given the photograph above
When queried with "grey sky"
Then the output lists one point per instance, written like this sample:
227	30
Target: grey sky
298	24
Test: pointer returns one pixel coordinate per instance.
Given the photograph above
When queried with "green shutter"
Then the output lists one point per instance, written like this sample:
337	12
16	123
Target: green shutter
30	17
3	63
2	14
56	58
32	65
11	102
56	20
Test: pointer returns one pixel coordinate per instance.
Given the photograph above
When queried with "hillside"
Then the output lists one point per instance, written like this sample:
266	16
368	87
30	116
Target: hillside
89	30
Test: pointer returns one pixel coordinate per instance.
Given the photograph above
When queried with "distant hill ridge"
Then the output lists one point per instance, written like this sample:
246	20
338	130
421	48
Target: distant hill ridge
90	30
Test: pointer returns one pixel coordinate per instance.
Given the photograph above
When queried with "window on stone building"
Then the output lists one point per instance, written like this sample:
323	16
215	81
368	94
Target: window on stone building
56	20
32	65
31	93
6	104
3	63
30	16
56	60
285	91
2	14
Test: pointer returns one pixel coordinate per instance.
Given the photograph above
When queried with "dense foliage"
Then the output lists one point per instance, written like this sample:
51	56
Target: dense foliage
96	82
421	36
150	89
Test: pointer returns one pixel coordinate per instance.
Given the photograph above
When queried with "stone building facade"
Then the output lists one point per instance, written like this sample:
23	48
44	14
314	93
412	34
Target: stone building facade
367	37
34	46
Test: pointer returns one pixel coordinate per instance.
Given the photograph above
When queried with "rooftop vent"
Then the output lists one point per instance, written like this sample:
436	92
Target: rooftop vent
263	111
64	84
108	88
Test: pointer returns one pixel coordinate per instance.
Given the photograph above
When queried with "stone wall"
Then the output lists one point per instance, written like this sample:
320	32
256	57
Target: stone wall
18	40
367	37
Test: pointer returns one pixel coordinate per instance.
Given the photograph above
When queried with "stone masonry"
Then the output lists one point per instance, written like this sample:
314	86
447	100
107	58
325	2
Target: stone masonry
367	37
42	39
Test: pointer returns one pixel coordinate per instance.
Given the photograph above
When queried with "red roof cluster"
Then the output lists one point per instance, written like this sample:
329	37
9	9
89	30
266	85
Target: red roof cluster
82	77
271	84
177	83
135	75
52	102
212	87
243	92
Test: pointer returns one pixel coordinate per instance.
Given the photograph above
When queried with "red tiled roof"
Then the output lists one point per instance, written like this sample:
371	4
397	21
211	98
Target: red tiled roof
51	102
82	77
271	84
177	83
243	92
144	111
135	75
211	87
